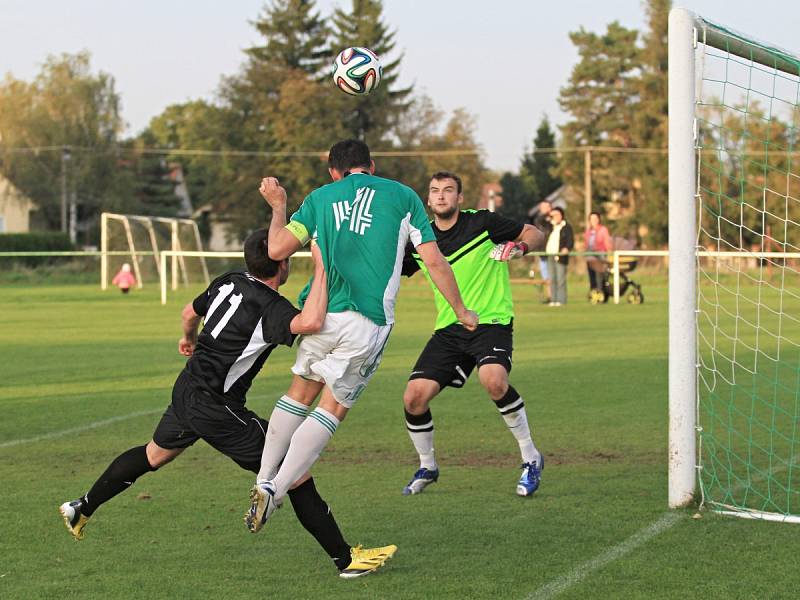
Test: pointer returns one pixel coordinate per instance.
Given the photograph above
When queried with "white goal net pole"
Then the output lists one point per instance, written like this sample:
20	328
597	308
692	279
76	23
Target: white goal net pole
682	261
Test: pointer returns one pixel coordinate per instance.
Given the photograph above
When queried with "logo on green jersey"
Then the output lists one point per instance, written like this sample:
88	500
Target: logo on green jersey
358	215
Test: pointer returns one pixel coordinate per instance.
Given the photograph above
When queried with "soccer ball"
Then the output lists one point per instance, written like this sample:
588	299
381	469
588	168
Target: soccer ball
357	71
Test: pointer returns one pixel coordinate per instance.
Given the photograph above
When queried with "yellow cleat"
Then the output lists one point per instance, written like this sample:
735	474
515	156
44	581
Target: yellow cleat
73	519
366	560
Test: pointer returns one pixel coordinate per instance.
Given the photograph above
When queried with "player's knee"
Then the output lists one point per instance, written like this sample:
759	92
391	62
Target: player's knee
415	401
157	456
495	386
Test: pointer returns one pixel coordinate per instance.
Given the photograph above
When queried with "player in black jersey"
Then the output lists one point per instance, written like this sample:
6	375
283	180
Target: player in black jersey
477	245
245	318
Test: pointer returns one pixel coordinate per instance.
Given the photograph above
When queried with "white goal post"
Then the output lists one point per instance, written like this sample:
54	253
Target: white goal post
148	231
734	245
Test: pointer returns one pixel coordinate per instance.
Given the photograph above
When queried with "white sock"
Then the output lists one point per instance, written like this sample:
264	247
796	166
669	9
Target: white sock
513	413
307	444
286	417
420	430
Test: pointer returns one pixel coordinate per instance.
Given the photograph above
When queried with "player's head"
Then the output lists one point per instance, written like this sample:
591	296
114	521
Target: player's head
444	194
594	219
258	262
556	215
347	155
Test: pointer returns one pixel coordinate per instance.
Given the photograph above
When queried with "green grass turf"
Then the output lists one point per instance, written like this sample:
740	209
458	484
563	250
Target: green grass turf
594	379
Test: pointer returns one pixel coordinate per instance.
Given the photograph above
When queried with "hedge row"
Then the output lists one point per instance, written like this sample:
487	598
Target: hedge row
40	241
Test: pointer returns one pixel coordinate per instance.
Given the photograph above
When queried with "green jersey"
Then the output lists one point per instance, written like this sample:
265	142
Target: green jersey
483	282
362	224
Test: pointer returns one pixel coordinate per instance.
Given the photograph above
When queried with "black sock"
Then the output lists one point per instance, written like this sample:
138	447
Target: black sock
118	477
316	516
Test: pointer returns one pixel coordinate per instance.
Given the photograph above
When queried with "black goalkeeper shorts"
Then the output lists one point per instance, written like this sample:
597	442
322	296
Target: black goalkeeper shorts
453	352
194	414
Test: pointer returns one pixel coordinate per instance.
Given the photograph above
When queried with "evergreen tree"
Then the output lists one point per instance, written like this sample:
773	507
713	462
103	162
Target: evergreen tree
372	117
538	168
601	97
294	35
650	125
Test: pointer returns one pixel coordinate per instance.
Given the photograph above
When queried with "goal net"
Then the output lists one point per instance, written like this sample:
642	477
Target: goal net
139	240
746	306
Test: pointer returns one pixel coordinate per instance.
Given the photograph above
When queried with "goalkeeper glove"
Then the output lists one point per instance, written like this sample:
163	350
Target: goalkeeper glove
508	250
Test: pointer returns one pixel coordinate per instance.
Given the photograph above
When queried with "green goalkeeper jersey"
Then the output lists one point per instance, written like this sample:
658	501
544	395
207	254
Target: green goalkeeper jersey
483	282
362	224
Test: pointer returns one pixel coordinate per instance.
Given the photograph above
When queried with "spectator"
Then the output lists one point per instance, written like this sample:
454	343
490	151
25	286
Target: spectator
541	220
124	279
559	243
597	239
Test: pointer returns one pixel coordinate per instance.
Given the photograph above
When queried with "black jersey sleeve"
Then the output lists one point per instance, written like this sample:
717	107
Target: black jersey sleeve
277	320
200	304
410	264
502	229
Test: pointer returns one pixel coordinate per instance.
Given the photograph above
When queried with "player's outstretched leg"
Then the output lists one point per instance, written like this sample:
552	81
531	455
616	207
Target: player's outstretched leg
118	477
364	561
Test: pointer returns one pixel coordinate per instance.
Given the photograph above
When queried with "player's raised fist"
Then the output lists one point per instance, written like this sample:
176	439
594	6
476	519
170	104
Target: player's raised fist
272	192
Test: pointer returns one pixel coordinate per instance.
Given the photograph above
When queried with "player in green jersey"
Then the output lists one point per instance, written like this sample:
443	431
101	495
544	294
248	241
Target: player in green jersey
477	245
362	224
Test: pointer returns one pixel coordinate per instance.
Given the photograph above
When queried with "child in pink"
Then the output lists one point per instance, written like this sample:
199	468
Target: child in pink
124	279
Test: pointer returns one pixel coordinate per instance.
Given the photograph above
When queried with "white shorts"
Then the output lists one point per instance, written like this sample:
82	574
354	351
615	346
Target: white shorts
344	354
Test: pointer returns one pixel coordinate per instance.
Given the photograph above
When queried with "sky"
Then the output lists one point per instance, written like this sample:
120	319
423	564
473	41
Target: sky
504	61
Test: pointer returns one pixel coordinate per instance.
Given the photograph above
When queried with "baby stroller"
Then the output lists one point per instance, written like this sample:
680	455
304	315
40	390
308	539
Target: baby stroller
604	267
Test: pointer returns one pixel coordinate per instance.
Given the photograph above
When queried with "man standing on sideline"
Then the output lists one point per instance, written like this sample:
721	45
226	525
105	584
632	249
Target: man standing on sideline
542	222
362	224
245	319
477	244
560	242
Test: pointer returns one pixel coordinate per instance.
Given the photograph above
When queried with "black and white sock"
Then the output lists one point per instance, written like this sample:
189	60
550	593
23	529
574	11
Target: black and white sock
420	430
512	409
118	477
316	516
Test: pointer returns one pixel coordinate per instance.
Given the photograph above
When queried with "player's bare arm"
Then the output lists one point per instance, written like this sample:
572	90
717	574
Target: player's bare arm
532	237
191	321
442	275
281	242
312	317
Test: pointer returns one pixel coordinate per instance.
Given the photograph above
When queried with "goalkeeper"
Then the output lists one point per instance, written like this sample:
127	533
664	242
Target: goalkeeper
477	244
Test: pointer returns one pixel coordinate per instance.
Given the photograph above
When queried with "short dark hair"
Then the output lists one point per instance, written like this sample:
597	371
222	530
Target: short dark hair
348	154
439	175
258	262
560	211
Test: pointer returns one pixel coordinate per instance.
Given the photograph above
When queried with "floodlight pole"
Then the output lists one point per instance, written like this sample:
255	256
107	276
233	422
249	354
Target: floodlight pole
682	261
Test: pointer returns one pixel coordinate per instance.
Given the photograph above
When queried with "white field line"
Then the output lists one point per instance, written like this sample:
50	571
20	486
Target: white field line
639	538
88	426
96	424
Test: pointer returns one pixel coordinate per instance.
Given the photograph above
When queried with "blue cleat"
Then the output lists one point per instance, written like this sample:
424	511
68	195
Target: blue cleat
531	477
421	479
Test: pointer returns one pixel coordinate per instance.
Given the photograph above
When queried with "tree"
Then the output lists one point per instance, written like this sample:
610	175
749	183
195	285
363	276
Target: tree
372	117
66	107
650	124
294	35
538	168
601	98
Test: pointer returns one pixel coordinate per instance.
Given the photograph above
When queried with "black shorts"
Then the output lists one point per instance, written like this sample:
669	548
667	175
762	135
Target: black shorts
453	352
194	414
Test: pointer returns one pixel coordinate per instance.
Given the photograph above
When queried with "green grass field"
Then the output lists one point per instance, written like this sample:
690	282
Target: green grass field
595	383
